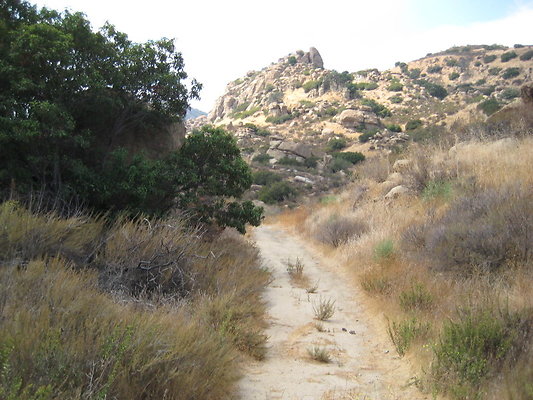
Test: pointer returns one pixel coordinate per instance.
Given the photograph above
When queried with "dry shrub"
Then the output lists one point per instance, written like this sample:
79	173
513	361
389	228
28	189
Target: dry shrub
337	230
376	169
25	235
62	338
486	229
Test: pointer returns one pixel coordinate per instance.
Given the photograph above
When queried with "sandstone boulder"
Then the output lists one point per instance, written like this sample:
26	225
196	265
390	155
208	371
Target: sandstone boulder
316	58
396	192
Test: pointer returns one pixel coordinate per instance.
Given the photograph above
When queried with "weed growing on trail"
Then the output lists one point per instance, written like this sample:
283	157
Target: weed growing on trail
320	354
324	309
404	333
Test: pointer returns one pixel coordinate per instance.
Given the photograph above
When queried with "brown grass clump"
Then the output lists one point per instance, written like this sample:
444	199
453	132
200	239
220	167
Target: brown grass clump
131	309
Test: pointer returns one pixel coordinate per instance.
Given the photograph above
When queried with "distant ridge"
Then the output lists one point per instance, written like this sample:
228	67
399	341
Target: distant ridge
194	113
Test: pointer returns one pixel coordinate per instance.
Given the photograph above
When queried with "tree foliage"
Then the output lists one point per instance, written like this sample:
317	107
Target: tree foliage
73	99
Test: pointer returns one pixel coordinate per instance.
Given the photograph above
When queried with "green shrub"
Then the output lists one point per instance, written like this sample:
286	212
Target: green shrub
339	164
290	161
454	75
508	56
379	109
311	162
395	87
291	60
494	71
488	90
451	62
307	103
510	93
311	85
473	346
266	177
365	137
262	158
336	144
245	113
489	58
489	106
366	85
277	192
396	99
414	73
434	69
437	189
477	64
394	127
384	249
417	297
437	91
528	55
259	131
481	81
350	156
510	73
404	333
280	119
413	124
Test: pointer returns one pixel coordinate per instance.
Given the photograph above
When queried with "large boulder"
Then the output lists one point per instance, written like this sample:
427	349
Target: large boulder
315	58
356	118
298	149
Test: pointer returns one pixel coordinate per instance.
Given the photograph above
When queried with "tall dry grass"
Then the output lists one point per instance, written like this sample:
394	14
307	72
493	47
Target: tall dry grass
450	263
129	309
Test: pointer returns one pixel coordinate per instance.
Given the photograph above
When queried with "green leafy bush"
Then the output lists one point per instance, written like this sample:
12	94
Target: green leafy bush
365	137
290	161
434	69
452	62
395	87
396	99
366	85
394	127
291	60
311	85
404	333
415	73
454	75
489	106
277	192
489	58
264	177
262	158
494	71
528	55
336	144
384	249
280	119
339	164
413	124
511	73
379	109
437	91
508	56
510	93
350	156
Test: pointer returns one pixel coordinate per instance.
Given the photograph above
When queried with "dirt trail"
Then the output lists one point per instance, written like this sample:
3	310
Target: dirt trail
364	366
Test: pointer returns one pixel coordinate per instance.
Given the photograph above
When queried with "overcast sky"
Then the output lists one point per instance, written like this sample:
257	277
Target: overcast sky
222	40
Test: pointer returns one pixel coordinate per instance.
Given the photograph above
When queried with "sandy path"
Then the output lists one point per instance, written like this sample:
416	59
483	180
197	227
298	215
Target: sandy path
364	366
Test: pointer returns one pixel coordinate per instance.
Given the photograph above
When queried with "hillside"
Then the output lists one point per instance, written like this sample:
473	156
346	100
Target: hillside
293	117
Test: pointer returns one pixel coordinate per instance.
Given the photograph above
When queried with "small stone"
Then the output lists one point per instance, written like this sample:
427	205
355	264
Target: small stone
352	332
344	329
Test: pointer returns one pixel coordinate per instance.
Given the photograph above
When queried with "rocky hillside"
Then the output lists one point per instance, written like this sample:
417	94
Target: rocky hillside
294	115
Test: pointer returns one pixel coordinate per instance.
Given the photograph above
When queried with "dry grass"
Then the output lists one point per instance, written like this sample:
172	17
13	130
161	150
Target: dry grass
129	309
320	354
324	309
473	212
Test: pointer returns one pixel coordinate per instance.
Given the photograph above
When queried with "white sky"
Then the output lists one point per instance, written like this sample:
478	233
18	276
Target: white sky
222	40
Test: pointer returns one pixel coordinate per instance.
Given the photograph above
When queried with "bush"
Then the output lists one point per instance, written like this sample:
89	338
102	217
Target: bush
291	60
339	164
452	62
490	58
487	230
510	93
395	87
394	127
262	158
379	109
435	69
494	71
290	161
280	119
404	333
365	137
508	56
437	91
528	55
266	177
336	144
454	75
245	113
414	73
366	85
417	297
396	99
510	73
489	106
337	230
476	344
350	156
311	85
413	124
277	192
324	309
384	249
